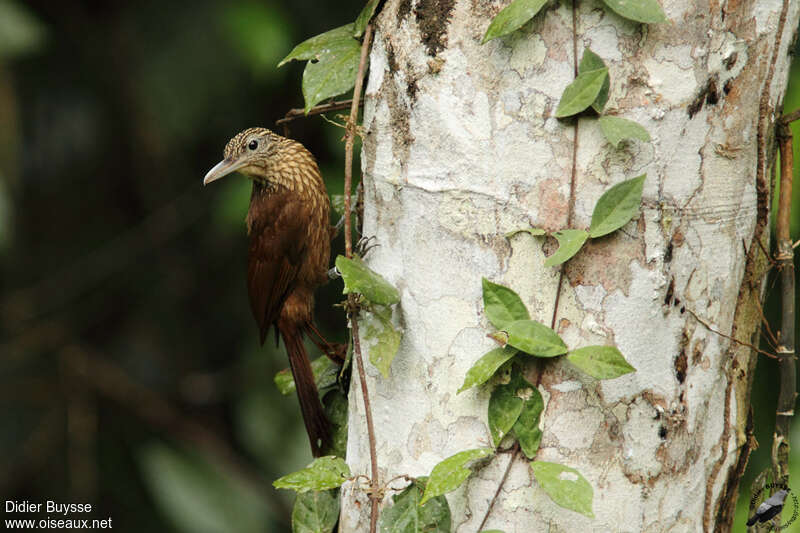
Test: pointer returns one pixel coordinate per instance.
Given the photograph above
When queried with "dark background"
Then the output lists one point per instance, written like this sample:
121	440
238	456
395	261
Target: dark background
130	373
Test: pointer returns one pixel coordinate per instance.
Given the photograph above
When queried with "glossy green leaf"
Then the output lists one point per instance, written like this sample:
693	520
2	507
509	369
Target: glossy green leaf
449	474
363	18
381	337
534	338
333	74
536	232
502	305
570	241
565	486
315	511
323	473
312	49
512	17
647	11
600	362
526	428
581	93
618	129
324	370
504	409
335	404
359	278
591	61
617	206
408	516
485	367
196	495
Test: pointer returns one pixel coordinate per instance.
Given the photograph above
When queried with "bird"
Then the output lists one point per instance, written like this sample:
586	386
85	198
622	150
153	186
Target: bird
288	225
768	509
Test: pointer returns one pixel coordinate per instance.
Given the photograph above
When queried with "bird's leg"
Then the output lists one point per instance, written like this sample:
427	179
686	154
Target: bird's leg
336	352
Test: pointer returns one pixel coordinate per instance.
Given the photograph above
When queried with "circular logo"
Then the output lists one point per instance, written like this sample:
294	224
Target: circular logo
773	505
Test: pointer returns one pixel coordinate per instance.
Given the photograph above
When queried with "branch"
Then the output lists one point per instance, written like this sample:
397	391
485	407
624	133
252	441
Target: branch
352	303
511	460
294	114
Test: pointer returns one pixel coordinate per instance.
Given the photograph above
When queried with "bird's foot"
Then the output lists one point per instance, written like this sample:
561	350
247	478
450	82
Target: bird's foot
365	244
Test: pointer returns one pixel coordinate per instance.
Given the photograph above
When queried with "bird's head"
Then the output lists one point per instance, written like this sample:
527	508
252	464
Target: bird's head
249	152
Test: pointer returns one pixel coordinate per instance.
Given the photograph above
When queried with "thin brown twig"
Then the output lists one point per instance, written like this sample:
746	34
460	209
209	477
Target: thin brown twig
737	341
511	460
350	132
294	114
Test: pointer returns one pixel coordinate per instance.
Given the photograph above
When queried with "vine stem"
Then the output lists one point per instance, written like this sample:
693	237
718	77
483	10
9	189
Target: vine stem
352	304
511	460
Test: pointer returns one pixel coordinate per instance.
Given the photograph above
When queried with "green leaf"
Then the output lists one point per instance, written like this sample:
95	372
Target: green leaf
359	278
526	428
336	412
198	496
323	473
502	305
512	17
449	474
324	370
616	207
363	18
383	339
315	511
485	367
333	74
408	516
21	31
600	362
314	47
647	11
534	338
337	204
536	232
504	409
565	486
581	93
570	242
591	61
618	129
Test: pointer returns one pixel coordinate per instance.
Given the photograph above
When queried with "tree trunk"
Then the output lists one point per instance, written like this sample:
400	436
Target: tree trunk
461	146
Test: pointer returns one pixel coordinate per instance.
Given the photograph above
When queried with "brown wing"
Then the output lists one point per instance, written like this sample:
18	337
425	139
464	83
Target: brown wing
277	248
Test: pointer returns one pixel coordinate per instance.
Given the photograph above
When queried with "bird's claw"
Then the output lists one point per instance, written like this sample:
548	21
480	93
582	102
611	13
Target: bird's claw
365	244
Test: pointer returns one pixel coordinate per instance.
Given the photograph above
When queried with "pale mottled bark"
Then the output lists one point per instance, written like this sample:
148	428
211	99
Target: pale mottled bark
460	146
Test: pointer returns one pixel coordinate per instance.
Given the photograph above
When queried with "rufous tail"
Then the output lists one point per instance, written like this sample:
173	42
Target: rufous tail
314	418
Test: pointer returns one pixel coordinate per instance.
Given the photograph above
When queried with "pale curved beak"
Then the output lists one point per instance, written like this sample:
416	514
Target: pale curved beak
222	169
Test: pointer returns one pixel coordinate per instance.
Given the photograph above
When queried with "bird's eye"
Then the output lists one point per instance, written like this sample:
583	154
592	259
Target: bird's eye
253	145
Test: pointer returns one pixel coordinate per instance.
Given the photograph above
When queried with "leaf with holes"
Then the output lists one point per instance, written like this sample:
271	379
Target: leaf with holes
647	11
591	61
570	241
600	362
616	207
565	486
512	17
449	474
485	367
581	93
536	232
323	473
618	129
534	338
363	18
333	73
526	428
359	278
502	305
381	338
408	516
312	48
315	511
